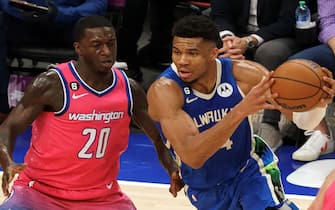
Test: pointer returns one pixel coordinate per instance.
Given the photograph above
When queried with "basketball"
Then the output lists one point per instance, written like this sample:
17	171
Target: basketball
299	84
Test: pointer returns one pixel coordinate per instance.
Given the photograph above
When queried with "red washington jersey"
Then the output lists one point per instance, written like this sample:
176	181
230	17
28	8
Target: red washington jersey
75	152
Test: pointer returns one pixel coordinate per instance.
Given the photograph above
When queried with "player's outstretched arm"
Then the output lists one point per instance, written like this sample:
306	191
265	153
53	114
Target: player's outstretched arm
143	120
40	95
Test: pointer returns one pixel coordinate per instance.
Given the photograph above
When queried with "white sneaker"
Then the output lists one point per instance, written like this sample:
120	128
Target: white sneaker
317	144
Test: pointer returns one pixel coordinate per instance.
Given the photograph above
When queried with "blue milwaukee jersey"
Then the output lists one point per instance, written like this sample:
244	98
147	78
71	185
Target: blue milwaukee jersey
206	110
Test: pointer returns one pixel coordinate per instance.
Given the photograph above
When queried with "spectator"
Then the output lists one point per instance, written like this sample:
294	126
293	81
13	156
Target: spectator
19	25
81	111
262	31
157	52
320	141
202	104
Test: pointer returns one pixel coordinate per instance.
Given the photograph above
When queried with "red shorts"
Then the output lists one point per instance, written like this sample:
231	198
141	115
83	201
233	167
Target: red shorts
25	197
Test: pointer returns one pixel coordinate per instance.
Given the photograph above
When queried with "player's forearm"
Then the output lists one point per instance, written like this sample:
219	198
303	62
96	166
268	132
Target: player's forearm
5	157
166	158
5	133
208	142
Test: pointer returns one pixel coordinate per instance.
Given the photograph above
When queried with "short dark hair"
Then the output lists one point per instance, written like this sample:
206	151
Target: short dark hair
94	21
197	26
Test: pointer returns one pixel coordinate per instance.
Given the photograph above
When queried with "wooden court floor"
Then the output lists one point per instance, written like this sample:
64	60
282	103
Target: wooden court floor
150	196
147	196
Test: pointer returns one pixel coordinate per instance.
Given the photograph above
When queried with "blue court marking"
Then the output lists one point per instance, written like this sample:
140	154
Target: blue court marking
287	166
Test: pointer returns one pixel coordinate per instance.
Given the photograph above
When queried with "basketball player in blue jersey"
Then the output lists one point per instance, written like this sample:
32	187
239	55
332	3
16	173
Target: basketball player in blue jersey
202	104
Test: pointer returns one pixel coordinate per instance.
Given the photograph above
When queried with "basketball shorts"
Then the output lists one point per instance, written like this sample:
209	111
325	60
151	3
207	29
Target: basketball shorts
24	198
256	187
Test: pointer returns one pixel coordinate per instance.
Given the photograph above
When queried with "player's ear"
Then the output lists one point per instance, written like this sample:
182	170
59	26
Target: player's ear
214	53
76	46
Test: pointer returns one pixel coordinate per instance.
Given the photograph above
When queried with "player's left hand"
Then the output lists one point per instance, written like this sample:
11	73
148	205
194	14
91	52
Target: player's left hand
9	175
176	183
328	88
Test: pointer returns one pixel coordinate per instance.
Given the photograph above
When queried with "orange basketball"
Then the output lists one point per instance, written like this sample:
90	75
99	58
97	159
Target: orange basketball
299	84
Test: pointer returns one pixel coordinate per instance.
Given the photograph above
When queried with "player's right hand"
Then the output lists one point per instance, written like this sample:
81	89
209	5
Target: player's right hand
259	97
8	176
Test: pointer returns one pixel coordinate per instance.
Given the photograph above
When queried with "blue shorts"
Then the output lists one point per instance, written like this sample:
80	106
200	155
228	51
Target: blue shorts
257	186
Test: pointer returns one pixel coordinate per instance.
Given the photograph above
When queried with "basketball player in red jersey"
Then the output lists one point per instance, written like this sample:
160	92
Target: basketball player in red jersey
80	113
